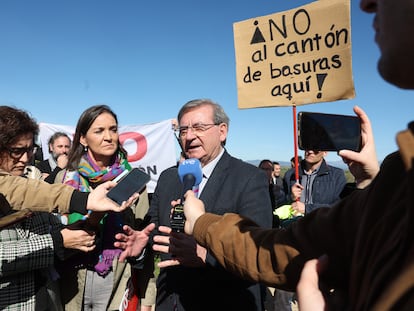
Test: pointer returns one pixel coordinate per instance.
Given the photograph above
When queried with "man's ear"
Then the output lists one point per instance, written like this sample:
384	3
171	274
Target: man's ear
223	132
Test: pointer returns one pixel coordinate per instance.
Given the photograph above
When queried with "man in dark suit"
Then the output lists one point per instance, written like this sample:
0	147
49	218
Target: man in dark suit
190	278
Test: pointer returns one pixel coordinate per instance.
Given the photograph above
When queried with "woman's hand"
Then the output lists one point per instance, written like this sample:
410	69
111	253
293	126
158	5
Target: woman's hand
99	202
78	239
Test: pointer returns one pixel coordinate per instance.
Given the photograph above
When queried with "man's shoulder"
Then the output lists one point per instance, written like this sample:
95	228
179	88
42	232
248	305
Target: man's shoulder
393	166
335	168
335	172
326	167
168	173
237	170
239	164
290	171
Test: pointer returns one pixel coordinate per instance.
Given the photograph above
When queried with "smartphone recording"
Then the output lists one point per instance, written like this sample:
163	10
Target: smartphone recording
131	182
328	132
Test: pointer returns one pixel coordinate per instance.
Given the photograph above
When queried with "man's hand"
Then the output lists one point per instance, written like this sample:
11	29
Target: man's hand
364	164
296	191
78	239
193	208
299	208
132	242
99	202
62	161
182	247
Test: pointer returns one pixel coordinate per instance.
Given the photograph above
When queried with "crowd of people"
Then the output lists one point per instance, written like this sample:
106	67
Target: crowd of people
317	185
72	248
31	246
356	255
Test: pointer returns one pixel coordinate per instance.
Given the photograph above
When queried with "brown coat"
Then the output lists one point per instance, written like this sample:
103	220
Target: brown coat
369	238
34	194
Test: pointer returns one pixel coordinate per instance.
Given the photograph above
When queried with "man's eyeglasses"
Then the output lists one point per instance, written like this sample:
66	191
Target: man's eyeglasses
17	153
197	129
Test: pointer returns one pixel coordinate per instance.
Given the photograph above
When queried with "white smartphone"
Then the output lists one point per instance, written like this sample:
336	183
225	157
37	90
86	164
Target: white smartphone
133	181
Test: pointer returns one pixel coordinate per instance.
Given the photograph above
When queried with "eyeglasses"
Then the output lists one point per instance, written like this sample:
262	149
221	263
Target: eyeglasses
17	153
198	129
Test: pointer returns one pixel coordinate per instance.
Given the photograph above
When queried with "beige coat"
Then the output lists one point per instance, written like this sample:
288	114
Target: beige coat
34	194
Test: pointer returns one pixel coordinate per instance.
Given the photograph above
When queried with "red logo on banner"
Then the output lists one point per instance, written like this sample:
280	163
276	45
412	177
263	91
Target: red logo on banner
141	144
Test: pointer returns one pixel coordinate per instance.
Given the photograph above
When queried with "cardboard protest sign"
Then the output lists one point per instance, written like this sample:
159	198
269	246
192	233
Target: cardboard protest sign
296	57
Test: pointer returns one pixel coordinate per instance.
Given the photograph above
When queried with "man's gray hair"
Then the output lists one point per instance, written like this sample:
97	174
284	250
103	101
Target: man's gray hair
219	116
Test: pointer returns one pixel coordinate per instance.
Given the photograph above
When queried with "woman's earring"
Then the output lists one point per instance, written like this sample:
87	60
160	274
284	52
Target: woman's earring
85	148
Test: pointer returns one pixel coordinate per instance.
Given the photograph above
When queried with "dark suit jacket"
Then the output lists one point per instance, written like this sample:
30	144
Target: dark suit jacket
236	187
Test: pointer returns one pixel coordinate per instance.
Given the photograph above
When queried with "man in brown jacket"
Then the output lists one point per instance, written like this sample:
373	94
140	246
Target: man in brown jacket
368	237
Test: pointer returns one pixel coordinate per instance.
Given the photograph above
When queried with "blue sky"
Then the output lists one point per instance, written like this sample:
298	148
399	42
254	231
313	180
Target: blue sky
146	59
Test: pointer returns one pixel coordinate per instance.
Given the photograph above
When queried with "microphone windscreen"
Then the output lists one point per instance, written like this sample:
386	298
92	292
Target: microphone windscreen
190	167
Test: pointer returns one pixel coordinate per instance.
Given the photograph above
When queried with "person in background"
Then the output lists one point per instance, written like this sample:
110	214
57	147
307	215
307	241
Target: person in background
99	281
277	195
276	178
28	248
320	185
59	144
292	161
190	278
267	166
278	299
287	177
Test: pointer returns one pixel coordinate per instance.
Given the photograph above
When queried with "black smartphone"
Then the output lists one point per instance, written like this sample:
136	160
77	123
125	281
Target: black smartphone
128	183
328	132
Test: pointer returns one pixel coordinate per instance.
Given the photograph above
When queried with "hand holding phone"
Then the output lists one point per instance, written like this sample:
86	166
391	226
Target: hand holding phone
364	164
128	184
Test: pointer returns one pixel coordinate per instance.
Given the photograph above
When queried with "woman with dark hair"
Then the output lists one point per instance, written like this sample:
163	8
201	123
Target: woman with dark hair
28	248
97	156
17	133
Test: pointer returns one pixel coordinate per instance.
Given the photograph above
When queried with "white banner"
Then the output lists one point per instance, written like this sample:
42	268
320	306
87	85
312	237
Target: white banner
151	147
